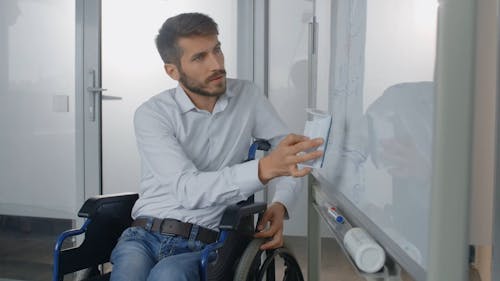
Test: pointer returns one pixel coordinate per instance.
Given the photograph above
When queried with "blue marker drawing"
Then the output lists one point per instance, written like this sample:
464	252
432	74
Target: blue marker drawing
336	216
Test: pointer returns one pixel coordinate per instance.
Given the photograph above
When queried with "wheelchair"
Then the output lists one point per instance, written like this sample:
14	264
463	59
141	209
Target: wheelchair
234	256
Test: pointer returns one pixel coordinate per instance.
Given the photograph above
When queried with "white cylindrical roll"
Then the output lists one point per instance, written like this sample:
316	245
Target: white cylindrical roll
365	252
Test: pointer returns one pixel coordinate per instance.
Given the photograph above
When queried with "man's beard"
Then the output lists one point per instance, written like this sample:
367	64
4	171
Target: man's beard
196	88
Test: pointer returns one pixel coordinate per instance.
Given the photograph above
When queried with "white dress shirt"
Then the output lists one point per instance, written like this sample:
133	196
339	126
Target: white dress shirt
192	159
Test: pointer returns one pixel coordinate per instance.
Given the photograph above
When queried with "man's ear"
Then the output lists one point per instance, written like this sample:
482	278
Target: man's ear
172	71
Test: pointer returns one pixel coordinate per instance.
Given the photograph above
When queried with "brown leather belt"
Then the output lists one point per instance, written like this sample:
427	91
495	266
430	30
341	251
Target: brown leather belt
175	227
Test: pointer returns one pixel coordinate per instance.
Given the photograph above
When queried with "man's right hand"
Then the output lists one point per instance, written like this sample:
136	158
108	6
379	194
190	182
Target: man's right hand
283	160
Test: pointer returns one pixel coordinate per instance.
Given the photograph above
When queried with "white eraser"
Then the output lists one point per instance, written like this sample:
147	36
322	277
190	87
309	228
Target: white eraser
317	126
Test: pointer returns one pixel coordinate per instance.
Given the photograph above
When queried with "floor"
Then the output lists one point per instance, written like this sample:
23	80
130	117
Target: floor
334	265
26	247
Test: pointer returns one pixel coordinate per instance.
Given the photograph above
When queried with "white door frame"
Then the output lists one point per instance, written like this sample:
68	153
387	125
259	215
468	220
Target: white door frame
448	240
88	124
495	259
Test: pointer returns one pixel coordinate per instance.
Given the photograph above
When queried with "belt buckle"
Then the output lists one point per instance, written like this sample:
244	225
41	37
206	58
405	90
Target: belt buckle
160	228
166	233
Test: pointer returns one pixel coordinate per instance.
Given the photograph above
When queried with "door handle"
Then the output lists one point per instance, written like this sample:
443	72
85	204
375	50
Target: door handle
92	89
95	95
106	97
312	58
94	92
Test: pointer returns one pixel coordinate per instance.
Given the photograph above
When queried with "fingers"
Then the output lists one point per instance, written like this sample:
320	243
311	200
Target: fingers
273	215
290	152
276	223
306	145
264	234
303	157
295	172
292	139
263	221
274	243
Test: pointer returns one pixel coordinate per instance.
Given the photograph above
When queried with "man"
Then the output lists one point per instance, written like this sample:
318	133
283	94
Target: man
192	141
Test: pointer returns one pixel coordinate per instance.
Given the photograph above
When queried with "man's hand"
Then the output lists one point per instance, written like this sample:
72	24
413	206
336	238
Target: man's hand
274	215
283	160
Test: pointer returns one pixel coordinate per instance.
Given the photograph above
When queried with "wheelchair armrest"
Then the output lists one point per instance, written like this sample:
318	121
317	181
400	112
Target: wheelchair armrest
107	217
234	213
119	201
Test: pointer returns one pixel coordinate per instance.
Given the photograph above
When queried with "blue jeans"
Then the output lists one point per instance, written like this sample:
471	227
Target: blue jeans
142	255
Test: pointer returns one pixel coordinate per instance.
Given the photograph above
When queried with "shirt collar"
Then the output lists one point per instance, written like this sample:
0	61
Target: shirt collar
182	99
186	105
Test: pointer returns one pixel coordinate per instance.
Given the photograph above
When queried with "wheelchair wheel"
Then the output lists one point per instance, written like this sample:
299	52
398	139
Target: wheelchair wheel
256	265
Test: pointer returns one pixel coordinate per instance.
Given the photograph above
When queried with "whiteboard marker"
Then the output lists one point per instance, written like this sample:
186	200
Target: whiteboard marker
338	218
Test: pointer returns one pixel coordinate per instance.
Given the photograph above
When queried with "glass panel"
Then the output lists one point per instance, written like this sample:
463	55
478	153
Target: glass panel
385	89
324	19
133	70
37	133
398	102
288	59
288	77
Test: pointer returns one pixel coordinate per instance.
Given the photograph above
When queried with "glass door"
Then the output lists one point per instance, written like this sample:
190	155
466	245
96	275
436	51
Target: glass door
49	127
288	66
53	153
38	187
132	72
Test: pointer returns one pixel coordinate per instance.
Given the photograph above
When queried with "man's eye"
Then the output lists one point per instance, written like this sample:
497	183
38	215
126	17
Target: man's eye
198	57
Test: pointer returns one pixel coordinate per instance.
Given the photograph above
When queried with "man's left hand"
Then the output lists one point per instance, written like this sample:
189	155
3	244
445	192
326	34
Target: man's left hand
274	215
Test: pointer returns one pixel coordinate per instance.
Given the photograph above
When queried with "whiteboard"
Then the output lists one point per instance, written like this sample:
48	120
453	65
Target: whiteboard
380	92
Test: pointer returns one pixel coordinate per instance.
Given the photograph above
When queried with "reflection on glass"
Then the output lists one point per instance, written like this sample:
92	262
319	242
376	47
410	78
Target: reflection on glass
288	60
37	134
383	164
400	126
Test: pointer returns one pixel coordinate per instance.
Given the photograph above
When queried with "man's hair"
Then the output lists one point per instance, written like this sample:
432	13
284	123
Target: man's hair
182	25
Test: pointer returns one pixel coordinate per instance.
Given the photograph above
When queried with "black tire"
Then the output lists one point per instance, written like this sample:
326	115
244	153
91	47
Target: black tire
251	266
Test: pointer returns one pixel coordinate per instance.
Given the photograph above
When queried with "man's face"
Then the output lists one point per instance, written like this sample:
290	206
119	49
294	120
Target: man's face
201	68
